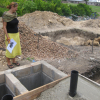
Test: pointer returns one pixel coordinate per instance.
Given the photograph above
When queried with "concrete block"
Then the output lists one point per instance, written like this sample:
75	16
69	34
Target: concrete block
19	88
10	81
2	77
47	70
52	71
22	71
36	68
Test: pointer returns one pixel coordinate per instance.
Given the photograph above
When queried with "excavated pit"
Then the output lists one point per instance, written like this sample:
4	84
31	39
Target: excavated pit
93	74
35	80
70	37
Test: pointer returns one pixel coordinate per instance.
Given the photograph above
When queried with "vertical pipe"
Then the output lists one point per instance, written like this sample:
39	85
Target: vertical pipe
7	97
73	83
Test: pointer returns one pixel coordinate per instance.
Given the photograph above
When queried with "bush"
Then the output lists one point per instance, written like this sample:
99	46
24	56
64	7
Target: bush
2	10
66	10
74	9
87	9
81	10
50	5
26	7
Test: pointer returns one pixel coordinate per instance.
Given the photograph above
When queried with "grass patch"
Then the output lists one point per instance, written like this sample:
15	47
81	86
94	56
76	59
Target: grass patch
73	4
30	59
95	8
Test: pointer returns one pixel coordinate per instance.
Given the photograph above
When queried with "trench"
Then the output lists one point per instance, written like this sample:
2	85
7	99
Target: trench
75	39
70	37
93	74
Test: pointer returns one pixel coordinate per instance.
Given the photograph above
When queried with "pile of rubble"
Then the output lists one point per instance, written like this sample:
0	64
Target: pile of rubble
31	47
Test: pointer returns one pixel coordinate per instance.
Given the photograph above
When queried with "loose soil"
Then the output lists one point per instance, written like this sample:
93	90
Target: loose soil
64	57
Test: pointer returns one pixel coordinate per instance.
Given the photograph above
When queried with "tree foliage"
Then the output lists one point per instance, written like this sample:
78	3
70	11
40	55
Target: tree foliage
28	6
81	10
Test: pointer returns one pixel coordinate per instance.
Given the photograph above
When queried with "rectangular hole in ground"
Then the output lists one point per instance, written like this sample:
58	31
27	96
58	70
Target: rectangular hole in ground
4	90
35	80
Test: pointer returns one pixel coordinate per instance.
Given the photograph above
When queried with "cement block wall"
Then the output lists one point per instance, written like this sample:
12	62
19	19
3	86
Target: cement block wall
37	74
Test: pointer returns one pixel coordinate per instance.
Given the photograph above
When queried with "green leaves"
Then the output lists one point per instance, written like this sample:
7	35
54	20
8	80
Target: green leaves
28	6
2	10
81	10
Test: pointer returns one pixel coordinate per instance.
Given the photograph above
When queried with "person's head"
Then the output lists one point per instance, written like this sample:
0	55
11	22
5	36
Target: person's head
13	6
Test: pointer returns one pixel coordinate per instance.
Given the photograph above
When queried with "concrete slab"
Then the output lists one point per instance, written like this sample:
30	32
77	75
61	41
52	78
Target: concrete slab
19	89
10	81
86	90
14	84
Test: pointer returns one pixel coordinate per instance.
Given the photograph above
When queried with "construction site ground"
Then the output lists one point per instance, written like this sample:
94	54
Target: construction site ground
63	57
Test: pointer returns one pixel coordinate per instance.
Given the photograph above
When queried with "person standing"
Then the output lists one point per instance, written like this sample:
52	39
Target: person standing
10	27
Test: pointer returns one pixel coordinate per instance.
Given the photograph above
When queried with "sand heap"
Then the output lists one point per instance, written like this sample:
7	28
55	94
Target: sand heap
92	23
29	41
45	20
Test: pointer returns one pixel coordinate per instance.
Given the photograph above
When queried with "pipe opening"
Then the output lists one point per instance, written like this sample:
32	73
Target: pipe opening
75	72
7	97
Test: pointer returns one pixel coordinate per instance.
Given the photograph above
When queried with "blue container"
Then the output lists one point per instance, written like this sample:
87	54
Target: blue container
33	61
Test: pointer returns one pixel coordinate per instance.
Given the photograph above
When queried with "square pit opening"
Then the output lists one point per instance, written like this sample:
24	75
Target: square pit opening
37	74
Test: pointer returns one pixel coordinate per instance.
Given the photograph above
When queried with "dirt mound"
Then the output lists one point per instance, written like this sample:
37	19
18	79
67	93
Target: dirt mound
72	41
44	20
29	42
93	23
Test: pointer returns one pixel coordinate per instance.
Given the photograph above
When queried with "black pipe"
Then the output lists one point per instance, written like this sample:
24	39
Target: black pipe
73	83
7	97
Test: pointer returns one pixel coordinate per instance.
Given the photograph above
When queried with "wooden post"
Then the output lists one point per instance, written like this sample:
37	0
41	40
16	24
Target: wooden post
92	45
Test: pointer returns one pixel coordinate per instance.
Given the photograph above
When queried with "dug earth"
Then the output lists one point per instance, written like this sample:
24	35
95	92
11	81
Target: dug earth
40	40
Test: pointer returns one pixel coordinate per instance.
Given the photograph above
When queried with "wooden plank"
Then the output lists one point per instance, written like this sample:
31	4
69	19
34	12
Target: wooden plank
31	95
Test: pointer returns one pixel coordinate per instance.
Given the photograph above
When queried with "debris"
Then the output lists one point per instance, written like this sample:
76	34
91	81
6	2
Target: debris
46	48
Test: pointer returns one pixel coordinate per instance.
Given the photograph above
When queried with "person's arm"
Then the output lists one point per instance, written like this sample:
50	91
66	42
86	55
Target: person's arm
5	31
